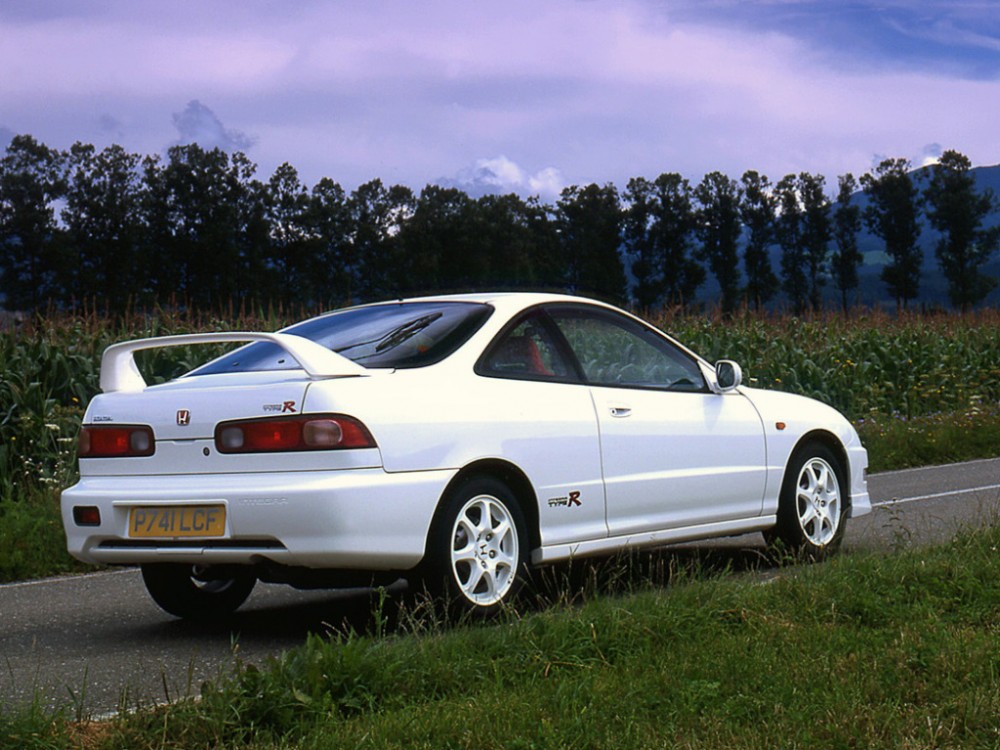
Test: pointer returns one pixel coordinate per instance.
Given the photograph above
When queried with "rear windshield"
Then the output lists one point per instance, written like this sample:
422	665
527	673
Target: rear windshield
406	334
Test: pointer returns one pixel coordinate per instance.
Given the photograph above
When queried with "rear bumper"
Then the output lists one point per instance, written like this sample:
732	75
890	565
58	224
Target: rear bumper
363	519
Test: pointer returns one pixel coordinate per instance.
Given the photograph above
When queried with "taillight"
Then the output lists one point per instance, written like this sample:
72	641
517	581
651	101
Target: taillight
320	432
115	441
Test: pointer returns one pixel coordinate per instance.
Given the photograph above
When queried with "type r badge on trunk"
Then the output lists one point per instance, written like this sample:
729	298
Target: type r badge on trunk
183	417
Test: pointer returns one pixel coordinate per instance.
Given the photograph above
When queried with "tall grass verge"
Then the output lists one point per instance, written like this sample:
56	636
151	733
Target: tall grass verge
895	442
32	542
34	728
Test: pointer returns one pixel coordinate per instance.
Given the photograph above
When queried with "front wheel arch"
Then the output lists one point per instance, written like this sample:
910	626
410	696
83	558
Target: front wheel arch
833	443
813	502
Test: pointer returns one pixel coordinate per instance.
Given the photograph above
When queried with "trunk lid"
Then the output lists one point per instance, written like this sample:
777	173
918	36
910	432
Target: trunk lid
190	408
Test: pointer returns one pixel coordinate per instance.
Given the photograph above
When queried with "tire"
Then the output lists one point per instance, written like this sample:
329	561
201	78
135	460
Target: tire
477	555
192	592
812	506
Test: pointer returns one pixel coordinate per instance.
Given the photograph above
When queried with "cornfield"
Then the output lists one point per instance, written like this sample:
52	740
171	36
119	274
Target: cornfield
871	365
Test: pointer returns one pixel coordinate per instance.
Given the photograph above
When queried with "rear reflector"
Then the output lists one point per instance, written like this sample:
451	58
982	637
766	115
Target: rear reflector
115	441
86	515
321	432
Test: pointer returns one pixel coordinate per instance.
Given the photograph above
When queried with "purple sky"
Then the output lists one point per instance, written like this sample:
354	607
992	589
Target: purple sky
527	96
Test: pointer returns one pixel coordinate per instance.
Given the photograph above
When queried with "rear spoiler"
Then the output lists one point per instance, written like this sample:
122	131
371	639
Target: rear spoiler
120	373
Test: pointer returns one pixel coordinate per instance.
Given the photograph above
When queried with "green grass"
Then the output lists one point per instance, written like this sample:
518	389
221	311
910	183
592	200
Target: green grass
896	442
34	728
863	651
32	542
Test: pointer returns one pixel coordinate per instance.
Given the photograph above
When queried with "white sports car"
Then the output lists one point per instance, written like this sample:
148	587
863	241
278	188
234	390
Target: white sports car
461	439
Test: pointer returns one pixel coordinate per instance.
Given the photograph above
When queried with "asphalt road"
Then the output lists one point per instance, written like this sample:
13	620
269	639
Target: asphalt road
97	641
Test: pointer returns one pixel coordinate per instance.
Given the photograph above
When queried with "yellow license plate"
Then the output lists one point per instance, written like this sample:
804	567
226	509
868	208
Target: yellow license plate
173	521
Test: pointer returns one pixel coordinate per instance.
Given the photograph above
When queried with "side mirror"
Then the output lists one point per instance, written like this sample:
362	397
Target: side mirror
728	375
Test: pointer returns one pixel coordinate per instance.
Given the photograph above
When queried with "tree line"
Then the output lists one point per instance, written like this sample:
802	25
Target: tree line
197	227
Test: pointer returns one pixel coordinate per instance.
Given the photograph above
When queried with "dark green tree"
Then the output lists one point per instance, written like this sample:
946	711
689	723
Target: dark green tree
547	262
247	214
640	243
252	273
718	227
757	212
846	224
816	233
377	214
516	240
31	181
788	231
104	224
440	251
893	215
292	249
958	211
195	223
589	221
659	231
329	224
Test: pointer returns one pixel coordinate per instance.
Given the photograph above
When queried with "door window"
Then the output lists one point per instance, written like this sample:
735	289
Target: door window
614	350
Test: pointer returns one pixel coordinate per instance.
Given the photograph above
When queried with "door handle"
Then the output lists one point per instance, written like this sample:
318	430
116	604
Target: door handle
621	411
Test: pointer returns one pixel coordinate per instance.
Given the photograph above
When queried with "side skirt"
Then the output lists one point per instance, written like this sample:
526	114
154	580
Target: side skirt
610	545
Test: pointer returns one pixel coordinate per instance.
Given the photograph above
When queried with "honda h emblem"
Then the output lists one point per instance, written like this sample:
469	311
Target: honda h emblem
183	417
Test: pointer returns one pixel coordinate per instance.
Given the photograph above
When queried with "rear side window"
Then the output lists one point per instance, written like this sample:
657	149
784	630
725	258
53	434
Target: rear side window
526	352
400	335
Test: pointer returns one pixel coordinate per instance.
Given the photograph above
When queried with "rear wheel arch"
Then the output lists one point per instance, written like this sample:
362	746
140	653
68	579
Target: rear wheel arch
478	548
515	479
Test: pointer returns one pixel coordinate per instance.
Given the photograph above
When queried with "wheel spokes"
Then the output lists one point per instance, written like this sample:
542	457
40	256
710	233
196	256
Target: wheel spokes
818	501
484	550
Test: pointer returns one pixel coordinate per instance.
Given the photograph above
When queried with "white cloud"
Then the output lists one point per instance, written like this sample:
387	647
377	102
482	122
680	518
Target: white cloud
931	154
548	182
500	175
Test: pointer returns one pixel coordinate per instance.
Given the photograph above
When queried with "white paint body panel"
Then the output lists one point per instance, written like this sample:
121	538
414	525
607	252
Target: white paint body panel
673	460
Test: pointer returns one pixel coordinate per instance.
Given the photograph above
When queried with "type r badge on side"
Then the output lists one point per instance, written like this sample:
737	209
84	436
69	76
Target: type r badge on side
566	502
